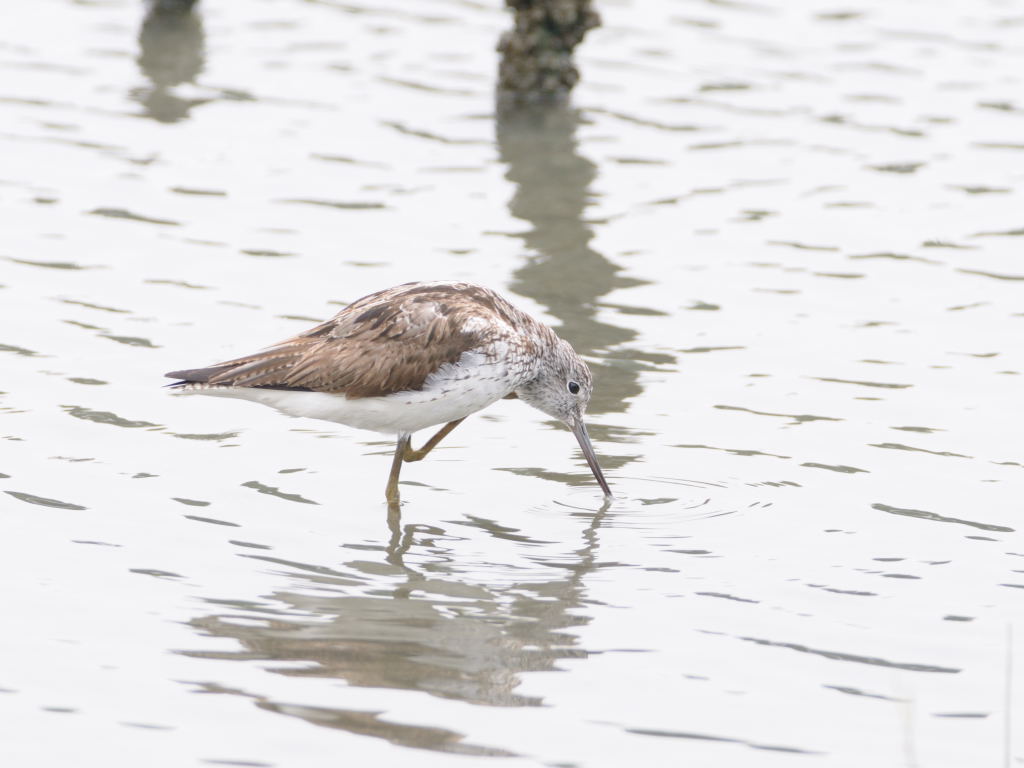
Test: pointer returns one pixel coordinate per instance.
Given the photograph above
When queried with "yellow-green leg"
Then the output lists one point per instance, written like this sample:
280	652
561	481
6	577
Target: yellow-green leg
404	452
411	455
391	492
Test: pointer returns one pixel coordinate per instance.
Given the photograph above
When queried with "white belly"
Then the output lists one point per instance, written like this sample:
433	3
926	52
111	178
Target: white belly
453	392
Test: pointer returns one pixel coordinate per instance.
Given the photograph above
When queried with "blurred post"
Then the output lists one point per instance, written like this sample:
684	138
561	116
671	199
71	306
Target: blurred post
536	54
169	6
171	53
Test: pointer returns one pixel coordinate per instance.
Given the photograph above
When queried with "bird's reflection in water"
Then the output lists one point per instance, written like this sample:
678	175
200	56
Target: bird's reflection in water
171	53
416	619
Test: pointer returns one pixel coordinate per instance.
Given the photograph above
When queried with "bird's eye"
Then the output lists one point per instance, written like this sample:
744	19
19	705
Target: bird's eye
574	387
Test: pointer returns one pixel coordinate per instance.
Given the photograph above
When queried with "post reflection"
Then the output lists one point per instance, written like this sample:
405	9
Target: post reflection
412	619
562	271
171	53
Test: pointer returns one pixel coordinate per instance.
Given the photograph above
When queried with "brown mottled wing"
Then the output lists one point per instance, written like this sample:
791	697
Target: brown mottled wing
384	343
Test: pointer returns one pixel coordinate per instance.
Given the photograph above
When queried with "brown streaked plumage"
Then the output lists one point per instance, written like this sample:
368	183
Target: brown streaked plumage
410	357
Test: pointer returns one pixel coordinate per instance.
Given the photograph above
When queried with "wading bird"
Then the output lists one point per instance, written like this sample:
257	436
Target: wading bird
411	357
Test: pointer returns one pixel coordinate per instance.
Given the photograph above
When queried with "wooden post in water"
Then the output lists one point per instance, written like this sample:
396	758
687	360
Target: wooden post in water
536	54
169	6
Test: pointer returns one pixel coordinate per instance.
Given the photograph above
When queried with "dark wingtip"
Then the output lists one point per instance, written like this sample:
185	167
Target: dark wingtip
192	376
180	375
203	376
196	375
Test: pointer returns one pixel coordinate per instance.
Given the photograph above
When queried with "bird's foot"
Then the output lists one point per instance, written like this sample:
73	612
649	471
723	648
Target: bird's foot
410	454
415	455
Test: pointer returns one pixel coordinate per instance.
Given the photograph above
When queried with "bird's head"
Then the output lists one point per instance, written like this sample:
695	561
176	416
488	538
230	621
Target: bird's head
562	389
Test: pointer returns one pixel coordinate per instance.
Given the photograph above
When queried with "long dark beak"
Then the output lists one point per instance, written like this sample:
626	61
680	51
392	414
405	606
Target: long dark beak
583	438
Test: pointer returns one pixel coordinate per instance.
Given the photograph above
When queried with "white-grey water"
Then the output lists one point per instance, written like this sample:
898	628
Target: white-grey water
787	236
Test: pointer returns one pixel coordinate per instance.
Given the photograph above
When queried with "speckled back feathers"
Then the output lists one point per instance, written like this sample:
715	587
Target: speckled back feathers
387	342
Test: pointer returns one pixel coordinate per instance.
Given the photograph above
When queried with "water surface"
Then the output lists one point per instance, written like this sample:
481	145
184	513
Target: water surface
787	237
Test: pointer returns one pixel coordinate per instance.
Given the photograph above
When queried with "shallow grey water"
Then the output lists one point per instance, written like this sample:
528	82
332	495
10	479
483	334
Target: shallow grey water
786	235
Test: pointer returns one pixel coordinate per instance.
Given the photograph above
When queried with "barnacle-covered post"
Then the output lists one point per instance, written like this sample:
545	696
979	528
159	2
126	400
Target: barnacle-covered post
536	54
